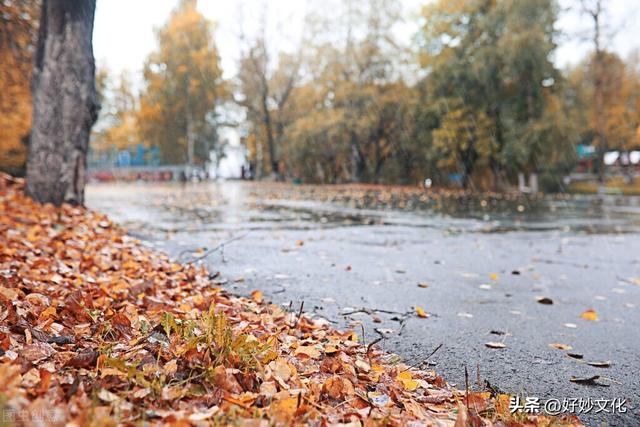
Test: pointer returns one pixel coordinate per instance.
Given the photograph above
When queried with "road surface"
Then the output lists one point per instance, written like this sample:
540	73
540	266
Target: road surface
479	278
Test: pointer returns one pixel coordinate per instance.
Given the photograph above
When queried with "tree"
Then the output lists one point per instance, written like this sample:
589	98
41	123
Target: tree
493	59
18	35
265	82
183	88
463	137
117	126
265	95
595	10
615	119
64	102
348	119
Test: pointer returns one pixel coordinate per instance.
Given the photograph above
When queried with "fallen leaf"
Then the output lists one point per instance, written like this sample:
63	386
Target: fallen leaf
378	399
407	380
257	296
84	359
223	378
281	369
590	315
600	364
338	387
494	344
575	355
37	352
560	346
308	350
544	300
107	396
423	285
493	276
421	313
588	381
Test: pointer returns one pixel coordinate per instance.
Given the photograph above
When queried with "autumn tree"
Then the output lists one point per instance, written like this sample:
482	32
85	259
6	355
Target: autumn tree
493	59
18	34
616	118
595	9
117	126
352	103
265	81
184	86
64	102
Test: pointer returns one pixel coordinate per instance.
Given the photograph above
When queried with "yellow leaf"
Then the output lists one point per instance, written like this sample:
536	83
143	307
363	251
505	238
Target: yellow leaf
421	313
285	408
330	349
407	380
493	276
590	315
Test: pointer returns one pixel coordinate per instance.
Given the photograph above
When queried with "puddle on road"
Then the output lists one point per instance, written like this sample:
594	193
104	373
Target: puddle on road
236	205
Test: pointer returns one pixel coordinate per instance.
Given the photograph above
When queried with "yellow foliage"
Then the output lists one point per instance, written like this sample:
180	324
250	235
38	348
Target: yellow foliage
17	36
183	85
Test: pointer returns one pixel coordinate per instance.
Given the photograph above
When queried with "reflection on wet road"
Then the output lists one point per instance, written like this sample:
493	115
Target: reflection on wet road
483	266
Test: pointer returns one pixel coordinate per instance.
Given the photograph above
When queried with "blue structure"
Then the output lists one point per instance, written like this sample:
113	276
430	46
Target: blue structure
137	155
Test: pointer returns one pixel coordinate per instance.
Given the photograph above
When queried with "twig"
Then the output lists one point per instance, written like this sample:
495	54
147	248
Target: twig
217	248
425	360
374	342
299	314
466	386
371	311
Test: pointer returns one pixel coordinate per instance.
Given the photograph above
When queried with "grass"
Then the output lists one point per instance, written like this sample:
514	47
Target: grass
615	185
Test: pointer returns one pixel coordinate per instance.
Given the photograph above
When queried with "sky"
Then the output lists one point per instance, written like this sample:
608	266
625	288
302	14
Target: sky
124	29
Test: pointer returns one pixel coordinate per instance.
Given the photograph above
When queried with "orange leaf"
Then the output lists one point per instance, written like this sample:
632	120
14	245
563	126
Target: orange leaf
421	313
590	315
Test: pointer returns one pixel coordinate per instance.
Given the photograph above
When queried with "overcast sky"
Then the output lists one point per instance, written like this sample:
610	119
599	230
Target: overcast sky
124	35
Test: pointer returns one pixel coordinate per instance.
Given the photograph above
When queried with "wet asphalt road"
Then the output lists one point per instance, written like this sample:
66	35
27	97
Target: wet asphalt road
483	276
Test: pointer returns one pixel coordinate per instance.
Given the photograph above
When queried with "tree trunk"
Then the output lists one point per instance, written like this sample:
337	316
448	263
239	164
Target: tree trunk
64	102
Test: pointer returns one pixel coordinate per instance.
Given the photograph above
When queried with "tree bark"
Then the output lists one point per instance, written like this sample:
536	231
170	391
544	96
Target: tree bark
65	104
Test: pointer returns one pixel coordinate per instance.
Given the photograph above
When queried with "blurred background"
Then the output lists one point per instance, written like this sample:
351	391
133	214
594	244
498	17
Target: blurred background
479	94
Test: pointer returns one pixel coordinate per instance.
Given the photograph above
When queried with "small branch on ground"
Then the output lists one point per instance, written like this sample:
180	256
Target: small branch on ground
220	247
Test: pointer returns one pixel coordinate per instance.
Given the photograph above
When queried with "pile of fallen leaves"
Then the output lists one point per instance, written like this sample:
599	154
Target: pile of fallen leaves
97	329
405	197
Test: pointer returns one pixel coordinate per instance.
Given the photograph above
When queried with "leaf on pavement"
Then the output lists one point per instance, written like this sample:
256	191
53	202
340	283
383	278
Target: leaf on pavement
560	346
495	344
600	364
590	315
